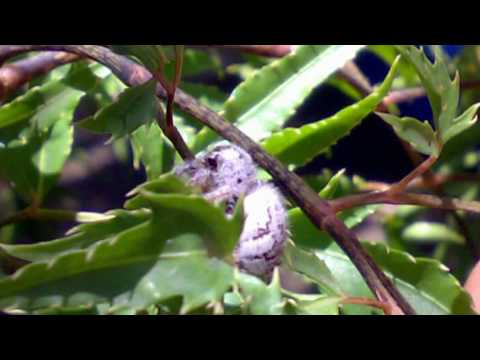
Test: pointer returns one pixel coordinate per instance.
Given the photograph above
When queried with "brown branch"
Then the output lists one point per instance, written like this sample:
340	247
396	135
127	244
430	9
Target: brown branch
410	94
430	180
318	211
13	76
172	134
355	77
386	197
419	171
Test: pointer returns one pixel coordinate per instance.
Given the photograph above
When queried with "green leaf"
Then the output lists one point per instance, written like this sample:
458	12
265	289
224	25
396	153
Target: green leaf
426	284
261	299
210	96
342	183
82	310
308	264
42	145
420	135
23	107
265	101
442	92
152	56
299	146
26	105
305	234
80	237
42	148
128	270
345	87
165	184
149	148
426	232
389	53
329	190
462	123
196	62
314	305
135	107
220	239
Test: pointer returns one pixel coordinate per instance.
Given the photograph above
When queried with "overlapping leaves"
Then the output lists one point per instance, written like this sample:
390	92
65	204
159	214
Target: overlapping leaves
298	146
154	257
443	94
265	101
36	132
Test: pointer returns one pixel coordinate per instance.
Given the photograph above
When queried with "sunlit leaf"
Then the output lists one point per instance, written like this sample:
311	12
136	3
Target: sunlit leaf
265	101
428	232
260	298
80	237
135	107
299	146
425	283
308	264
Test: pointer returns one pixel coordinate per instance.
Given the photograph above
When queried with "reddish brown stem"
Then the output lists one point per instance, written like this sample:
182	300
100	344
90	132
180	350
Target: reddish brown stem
417	172
434	181
368	302
386	197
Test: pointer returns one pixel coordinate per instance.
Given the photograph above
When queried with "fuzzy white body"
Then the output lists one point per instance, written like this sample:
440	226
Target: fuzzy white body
224	174
264	233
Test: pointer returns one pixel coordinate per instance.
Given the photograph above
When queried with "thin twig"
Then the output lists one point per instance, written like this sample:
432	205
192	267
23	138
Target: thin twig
435	180
386	197
368	302
429	179
318	211
172	134
13	76
32	213
165	121
416	173
410	94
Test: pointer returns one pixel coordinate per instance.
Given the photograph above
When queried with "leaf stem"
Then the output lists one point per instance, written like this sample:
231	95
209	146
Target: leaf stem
405	198
368	302
32	213
417	172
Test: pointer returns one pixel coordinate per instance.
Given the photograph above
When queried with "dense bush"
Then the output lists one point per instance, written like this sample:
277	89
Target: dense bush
169	250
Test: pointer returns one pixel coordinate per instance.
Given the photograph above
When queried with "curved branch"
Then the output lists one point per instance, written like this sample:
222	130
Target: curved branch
13	76
386	197
318	211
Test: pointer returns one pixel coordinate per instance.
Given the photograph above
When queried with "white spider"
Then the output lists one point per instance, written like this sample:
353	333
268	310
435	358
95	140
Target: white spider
227	172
